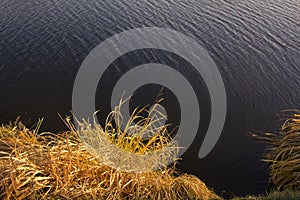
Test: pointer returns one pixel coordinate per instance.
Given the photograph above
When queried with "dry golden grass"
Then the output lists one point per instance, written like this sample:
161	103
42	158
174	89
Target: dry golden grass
59	166
284	154
143	146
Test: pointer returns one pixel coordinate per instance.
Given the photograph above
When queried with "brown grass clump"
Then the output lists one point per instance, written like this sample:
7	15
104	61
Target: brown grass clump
58	166
284	154
143	144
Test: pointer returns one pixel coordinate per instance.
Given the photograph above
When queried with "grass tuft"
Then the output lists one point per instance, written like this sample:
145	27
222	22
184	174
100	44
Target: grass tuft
59	166
143	145
284	154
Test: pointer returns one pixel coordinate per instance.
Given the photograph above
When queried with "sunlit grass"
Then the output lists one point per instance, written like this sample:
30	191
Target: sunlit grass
142	145
59	166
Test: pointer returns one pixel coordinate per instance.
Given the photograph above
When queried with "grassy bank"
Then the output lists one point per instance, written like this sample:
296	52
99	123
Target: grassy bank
58	166
274	195
283	156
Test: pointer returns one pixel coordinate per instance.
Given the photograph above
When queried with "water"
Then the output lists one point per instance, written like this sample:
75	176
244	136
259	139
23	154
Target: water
254	44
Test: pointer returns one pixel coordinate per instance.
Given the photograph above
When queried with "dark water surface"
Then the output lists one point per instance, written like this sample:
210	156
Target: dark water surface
255	45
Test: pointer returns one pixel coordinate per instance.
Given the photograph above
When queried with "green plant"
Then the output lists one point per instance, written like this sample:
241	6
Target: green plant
274	195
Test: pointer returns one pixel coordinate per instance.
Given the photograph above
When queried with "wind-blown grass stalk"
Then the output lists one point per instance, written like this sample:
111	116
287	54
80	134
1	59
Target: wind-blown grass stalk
284	154
144	144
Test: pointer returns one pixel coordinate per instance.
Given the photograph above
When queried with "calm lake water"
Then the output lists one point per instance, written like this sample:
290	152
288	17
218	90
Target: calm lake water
255	45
